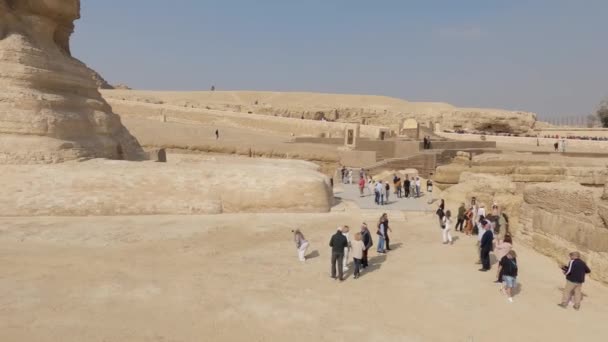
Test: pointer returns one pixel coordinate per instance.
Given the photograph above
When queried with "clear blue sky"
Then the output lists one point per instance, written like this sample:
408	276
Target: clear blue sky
545	56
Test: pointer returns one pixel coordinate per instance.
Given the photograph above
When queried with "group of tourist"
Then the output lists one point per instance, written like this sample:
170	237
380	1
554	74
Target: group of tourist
577	137
344	246
494	237
408	188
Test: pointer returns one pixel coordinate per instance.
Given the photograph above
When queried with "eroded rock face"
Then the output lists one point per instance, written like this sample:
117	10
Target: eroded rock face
50	108
110	187
557	218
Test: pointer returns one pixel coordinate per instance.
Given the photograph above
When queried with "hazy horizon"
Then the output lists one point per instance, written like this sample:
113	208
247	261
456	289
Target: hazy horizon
547	57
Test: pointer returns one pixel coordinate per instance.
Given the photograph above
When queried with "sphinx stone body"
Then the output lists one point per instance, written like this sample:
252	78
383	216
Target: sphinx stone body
50	108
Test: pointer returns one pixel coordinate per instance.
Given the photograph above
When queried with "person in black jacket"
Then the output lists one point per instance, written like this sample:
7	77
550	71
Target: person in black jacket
575	277
367	242
486	247
337	243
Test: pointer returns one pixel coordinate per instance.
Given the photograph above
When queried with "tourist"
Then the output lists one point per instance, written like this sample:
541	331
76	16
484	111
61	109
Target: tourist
495	211
556	146
563	145
425	143
378	188
357	249
440	212
381	234
502	248
508	267
350	176
346	233
417	186
338	243
406	187
460	222
301	244
468	229
361	186
575	273
387	228
370	185
387	191
485	246
447	225
481	213
343	173
413	188
217	134
361	174
397	183
367	242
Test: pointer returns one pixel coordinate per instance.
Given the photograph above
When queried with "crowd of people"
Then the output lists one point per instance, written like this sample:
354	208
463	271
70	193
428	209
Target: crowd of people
494	237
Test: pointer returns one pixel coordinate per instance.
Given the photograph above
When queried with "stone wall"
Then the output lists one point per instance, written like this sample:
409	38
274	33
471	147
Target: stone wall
546	142
104	187
559	218
283	125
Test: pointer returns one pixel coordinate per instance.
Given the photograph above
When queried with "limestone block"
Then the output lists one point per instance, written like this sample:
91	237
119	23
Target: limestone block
566	197
109	187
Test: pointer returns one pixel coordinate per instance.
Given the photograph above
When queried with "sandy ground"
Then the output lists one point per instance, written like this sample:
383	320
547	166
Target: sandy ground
237	278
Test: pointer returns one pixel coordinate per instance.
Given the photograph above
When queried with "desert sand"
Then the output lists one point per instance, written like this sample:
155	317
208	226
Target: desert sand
236	277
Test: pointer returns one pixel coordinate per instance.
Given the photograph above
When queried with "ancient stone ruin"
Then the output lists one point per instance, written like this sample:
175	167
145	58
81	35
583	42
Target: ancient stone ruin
50	108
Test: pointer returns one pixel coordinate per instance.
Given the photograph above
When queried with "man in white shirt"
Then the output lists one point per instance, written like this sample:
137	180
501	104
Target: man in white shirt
378	192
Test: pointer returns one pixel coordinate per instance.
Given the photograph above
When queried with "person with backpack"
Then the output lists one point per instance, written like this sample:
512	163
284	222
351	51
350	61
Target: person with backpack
366	237
508	268
406	187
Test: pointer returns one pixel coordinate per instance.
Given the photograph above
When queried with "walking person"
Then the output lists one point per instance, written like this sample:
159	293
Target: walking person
387	228
378	192
337	243
381	235
346	233
361	186
485	246
447	226
468	226
217	134
417	186
387	191
575	273
366	237
441	212
501	250
406	187
350	176
357	249
508	267
301	244
461	213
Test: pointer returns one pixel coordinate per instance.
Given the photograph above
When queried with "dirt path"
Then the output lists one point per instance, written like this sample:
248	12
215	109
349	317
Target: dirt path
236	278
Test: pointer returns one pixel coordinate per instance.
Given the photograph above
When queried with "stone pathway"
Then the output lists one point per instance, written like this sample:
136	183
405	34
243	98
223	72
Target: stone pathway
350	192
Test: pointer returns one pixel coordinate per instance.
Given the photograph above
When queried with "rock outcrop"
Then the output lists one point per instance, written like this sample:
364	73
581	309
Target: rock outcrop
110	187
557	218
374	110
525	168
50	108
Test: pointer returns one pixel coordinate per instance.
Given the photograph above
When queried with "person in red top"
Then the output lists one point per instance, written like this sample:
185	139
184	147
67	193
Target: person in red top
361	186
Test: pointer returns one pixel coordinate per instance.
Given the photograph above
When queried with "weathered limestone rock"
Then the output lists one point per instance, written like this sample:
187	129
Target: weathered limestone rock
50	108
557	218
110	187
373	110
524	168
